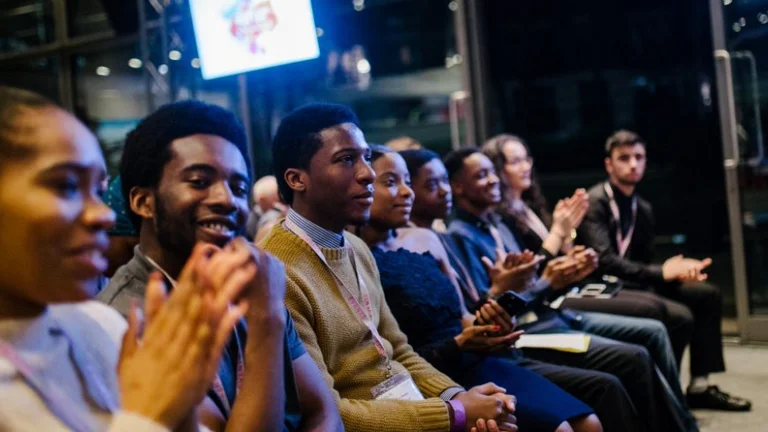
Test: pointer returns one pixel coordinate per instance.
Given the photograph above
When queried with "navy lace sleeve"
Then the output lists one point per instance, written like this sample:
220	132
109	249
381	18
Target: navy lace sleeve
424	302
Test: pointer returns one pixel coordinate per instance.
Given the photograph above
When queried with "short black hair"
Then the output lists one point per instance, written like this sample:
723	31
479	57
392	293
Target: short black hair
297	138
12	102
454	161
148	147
621	138
415	159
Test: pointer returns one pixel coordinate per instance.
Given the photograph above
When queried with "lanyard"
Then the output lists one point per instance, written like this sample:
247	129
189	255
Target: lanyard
53	397
365	314
218	385
621	241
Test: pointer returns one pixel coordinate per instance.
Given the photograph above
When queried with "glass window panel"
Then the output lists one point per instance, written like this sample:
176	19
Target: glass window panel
110	97
25	24
40	75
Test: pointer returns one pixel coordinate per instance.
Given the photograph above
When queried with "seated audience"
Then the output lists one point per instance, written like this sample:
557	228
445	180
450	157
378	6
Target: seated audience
122	236
523	207
61	363
322	164
430	312
619	226
267	208
185	173
480	235
520	193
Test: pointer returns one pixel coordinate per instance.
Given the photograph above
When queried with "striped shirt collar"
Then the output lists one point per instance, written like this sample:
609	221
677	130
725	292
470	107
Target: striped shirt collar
323	237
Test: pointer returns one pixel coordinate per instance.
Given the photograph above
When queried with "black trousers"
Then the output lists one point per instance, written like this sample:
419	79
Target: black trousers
635	369
601	391
691	312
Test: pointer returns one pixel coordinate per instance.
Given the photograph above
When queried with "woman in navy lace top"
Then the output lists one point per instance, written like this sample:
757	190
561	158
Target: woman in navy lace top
431	313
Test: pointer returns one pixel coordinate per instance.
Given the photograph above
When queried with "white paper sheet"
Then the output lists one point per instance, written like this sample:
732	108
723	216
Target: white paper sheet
569	342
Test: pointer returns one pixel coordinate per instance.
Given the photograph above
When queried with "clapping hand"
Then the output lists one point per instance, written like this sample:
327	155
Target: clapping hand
167	373
569	213
684	269
566	270
511	271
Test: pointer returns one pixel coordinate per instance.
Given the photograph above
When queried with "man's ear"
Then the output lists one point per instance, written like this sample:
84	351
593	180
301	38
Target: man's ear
142	201
296	179
456	188
608	167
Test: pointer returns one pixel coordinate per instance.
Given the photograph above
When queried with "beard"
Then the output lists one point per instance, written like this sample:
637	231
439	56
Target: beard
174	234
481	200
628	181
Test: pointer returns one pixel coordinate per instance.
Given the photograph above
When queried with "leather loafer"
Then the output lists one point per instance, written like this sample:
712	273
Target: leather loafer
715	399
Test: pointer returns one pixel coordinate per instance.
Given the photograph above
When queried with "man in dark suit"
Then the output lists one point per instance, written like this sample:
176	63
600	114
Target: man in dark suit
619	226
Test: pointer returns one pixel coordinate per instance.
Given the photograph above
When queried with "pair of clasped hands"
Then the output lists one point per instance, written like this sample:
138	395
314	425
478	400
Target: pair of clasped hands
168	361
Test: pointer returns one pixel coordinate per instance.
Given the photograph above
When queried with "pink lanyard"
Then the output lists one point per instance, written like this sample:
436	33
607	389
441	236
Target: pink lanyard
621	241
53	397
218	385
365	315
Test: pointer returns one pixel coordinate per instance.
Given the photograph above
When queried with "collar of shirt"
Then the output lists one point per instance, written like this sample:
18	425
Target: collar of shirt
619	195
476	221
150	265
323	237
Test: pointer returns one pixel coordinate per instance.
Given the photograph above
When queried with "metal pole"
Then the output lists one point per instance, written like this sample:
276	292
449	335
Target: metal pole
727	106
478	62
245	116
66	83
463	45
145	59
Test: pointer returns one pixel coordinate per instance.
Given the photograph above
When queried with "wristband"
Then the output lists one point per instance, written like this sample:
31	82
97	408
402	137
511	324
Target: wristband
459	421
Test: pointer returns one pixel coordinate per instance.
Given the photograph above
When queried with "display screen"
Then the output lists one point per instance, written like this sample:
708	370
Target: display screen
235	36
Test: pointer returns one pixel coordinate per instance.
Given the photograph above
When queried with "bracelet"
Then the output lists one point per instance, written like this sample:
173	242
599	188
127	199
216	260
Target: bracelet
459	421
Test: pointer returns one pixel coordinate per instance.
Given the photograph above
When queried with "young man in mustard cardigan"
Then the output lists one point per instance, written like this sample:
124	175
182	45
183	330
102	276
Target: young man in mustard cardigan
322	164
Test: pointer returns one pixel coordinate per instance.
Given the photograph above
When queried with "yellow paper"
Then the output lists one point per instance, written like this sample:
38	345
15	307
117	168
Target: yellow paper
568	342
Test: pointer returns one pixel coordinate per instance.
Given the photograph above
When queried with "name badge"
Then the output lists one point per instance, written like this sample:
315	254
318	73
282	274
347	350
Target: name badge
398	387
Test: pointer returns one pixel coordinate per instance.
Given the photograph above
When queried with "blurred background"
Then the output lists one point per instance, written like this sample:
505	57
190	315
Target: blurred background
691	77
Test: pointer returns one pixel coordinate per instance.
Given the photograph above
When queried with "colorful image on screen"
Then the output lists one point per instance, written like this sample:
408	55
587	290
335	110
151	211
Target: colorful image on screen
235	36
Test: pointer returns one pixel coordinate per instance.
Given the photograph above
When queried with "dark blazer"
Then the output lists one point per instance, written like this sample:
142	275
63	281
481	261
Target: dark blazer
598	231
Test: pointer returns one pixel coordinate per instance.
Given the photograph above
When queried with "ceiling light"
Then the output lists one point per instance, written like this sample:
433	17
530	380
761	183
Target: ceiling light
363	66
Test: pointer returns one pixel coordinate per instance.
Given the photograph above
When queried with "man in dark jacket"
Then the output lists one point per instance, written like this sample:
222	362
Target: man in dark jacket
619	226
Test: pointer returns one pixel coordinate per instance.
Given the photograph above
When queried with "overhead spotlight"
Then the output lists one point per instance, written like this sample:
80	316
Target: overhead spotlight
363	66
736	27
195	63
163	69
762	18
320	32
135	63
359	5
174	55
103	71
453	6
